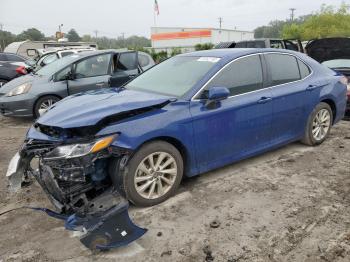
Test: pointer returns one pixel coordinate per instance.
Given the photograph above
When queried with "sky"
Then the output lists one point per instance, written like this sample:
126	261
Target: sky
112	18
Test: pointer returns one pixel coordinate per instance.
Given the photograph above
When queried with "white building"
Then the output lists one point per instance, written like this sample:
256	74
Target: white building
168	38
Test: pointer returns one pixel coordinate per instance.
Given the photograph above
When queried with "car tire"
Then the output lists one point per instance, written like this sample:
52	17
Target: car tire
139	174
43	103
2	82
319	125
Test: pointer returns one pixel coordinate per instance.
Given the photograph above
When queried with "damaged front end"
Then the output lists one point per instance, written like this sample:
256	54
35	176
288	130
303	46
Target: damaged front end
78	180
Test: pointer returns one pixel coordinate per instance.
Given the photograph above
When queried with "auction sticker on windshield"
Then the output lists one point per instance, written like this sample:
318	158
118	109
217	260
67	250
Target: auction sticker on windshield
209	59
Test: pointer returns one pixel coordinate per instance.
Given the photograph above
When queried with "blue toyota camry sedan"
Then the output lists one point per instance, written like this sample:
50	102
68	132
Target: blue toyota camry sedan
190	114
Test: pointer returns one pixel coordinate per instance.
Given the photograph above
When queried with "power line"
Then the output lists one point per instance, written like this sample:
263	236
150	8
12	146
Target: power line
292	13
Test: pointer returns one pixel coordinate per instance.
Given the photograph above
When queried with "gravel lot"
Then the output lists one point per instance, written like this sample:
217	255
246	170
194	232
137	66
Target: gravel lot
292	204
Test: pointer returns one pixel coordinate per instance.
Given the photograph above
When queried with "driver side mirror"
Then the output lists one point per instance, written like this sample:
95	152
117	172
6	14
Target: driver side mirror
216	94
70	76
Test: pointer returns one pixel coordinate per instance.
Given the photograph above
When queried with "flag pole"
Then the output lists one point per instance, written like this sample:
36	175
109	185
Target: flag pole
154	17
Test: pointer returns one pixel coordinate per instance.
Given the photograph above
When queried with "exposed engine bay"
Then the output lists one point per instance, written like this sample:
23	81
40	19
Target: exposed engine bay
78	180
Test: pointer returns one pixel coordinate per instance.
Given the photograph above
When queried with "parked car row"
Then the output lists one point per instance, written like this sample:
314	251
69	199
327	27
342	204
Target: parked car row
10	67
33	94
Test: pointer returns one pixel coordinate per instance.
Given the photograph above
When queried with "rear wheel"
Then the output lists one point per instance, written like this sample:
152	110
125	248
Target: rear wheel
2	82
43	104
153	174
319	125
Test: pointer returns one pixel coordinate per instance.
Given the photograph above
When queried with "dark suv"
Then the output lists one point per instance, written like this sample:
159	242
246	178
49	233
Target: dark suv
289	44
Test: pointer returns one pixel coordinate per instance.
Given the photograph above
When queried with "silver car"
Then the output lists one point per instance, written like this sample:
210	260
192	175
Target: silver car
32	94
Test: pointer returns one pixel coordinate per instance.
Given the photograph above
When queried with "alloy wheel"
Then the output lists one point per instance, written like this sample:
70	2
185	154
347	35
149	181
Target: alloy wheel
155	175
45	105
321	124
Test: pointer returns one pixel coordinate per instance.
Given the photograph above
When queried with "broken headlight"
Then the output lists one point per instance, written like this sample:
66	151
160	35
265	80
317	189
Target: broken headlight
79	150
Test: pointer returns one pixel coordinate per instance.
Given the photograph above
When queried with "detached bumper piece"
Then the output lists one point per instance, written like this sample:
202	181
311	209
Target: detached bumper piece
110	229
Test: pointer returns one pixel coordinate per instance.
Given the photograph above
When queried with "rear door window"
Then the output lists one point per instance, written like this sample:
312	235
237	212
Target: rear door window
144	60
304	69
63	54
256	44
283	68
127	61
276	44
237	78
290	45
241	45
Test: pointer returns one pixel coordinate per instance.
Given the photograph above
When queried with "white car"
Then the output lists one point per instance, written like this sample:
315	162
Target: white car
48	55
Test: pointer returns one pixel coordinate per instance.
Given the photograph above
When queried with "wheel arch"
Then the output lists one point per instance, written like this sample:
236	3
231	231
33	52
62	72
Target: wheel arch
41	96
332	105
176	143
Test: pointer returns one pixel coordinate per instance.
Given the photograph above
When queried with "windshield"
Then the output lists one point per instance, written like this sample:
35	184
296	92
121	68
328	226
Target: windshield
175	76
337	63
56	66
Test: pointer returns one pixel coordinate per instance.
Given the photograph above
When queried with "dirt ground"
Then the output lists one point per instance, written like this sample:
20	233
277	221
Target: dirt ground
292	204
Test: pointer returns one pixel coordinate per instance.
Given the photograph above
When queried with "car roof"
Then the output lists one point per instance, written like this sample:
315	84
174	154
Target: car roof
231	53
8	53
99	52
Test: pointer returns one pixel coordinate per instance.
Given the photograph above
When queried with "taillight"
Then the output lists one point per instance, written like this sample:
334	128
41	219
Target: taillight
344	80
21	70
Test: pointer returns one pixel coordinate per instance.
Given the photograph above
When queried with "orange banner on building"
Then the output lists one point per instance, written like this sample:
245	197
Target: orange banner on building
181	35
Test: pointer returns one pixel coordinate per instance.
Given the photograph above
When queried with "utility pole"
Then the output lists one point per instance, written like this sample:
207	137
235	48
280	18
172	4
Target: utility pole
123	38
220	21
2	43
96	32
292	14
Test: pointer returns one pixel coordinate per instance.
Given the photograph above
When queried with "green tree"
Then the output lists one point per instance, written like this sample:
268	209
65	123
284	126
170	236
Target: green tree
31	34
175	51
275	28
205	46
87	38
328	22
73	36
6	38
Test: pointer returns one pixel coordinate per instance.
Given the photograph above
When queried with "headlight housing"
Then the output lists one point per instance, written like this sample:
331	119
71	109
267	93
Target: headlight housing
79	150
19	90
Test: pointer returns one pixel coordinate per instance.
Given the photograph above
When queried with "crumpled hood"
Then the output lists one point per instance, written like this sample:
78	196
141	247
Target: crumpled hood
34	79
328	49
89	108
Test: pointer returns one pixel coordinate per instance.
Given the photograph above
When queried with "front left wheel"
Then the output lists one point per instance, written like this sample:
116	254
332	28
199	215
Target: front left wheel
152	175
43	104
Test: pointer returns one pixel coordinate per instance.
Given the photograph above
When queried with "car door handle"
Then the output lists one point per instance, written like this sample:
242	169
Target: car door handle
100	84
264	100
311	87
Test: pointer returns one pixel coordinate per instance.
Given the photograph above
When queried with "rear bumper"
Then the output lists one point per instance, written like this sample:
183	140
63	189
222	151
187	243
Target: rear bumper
19	106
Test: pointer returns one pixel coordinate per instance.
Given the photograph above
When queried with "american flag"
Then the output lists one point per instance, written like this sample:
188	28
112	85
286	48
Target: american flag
156	7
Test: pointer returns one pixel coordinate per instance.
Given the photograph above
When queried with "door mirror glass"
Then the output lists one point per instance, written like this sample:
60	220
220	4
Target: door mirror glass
127	61
32	52
218	93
